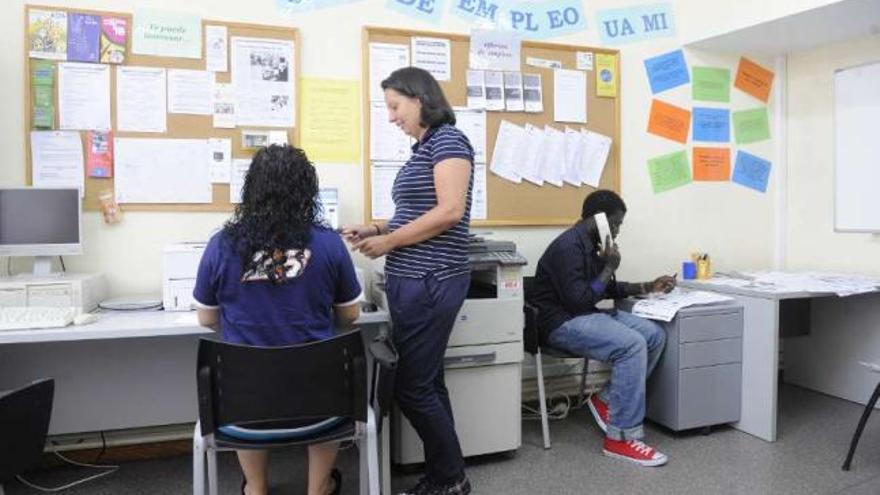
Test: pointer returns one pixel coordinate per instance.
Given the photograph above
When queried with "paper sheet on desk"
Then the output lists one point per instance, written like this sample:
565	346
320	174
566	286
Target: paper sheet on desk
816	282
664	307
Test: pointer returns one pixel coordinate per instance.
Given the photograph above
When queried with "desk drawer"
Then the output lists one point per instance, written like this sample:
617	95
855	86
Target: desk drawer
700	328
713	352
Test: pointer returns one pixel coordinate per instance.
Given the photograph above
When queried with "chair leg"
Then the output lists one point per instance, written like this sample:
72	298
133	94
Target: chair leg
372	454
869	407
198	462
542	399
213	483
582	392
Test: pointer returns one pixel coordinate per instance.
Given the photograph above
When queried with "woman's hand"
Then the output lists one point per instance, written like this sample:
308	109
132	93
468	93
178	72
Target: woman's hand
356	233
374	246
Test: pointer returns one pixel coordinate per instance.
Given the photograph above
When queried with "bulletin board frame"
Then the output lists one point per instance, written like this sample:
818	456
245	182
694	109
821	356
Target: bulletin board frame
179	126
511	204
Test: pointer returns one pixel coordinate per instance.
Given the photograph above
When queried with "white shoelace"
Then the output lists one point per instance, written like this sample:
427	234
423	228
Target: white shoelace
641	448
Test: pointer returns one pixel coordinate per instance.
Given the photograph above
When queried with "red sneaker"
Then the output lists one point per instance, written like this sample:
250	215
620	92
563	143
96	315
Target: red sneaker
599	410
634	451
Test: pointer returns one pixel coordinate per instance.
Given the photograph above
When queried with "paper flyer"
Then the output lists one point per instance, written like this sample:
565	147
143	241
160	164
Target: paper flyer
47	34
99	154
83	37
114	33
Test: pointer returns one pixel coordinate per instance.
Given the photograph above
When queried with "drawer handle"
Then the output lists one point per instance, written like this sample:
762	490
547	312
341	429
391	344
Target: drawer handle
488	357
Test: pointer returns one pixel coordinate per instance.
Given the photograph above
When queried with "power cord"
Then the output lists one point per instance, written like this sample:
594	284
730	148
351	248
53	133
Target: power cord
110	469
63	268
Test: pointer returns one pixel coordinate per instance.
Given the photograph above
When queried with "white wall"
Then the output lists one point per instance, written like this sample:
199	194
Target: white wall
812	242
733	223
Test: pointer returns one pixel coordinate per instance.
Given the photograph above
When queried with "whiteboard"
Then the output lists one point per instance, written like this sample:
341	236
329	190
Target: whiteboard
857	149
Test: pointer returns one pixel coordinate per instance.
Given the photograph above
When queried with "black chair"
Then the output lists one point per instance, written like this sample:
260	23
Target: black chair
869	407
251	387
534	344
24	423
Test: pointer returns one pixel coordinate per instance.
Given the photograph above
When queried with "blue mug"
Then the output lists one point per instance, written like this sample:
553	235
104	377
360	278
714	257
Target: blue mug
689	270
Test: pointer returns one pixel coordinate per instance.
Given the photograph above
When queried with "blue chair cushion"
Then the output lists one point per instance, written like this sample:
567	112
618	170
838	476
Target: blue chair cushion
278	430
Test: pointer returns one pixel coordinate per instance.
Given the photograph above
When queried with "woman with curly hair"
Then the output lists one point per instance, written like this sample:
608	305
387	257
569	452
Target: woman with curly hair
275	275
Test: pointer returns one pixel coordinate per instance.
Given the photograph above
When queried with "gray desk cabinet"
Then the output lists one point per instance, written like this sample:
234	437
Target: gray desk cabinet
698	381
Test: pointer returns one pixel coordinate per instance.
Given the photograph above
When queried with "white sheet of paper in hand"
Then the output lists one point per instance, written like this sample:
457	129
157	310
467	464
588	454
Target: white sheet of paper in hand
509	144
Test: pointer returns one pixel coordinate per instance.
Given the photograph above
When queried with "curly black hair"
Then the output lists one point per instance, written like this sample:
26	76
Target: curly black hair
279	205
602	200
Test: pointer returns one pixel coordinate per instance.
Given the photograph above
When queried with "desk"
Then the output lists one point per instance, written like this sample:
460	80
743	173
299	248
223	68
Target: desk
127	370
767	317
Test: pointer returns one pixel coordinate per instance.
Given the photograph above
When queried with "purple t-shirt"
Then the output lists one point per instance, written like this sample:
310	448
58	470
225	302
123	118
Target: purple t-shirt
255	311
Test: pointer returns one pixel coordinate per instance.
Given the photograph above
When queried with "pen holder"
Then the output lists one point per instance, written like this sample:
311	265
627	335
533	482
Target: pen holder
704	269
688	270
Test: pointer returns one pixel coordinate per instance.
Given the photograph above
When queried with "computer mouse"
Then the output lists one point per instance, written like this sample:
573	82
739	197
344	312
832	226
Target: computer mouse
84	319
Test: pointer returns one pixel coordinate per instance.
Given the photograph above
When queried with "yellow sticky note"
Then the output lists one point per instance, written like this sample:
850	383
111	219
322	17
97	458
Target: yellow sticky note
330	120
606	75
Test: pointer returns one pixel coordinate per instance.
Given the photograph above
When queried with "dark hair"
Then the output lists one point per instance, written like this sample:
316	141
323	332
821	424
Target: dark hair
602	200
420	84
279	206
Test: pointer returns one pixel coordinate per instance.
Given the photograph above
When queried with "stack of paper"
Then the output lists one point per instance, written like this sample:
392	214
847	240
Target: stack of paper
812	282
664	307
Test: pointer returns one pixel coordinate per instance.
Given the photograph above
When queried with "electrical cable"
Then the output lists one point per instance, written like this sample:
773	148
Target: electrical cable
110	470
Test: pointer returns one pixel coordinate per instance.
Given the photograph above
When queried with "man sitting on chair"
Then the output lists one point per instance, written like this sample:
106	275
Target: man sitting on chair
572	276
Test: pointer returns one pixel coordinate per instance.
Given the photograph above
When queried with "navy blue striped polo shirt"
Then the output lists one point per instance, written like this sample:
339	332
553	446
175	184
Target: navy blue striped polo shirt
444	255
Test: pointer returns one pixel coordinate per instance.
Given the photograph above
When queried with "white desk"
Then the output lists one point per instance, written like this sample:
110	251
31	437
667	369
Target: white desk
766	318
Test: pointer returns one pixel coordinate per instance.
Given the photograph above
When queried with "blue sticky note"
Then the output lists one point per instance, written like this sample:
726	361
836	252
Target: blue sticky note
711	124
667	71
644	22
751	171
425	10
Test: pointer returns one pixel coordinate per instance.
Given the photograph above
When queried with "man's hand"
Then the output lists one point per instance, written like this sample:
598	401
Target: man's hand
610	254
663	283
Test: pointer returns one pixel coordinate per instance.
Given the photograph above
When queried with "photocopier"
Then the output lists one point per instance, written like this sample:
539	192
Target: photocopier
483	360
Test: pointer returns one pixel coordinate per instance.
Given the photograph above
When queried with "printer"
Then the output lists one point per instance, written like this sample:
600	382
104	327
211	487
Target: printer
483	360
180	264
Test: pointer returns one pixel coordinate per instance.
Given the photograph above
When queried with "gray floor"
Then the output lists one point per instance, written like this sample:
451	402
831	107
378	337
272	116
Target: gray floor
815	431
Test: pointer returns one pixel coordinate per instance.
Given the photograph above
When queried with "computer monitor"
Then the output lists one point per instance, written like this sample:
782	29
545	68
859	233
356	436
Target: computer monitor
329	201
40	222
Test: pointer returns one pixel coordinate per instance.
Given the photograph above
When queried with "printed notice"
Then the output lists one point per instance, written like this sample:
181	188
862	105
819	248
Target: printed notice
432	54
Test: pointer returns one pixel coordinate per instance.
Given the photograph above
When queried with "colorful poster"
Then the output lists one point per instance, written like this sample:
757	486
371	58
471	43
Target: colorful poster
669	171
669	121
42	73
711	124
751	126
711	164
99	154
114	33
754	79
166	34
43	117
619	26
47	34
667	71
711	84
83	37
751	171
606	75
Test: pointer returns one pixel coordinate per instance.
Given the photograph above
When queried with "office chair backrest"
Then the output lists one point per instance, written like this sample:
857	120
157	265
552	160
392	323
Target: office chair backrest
240	384
24	423
531	336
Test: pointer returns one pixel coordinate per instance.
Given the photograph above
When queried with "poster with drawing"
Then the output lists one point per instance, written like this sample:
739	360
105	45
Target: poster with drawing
263	79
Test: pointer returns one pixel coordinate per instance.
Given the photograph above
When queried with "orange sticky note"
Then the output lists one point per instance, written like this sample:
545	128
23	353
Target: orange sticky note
711	164
669	121
754	79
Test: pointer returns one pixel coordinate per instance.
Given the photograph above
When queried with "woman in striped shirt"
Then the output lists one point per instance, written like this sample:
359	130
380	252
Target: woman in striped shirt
426	268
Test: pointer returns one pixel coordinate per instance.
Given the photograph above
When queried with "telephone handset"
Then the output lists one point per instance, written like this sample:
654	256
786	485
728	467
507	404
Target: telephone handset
604	229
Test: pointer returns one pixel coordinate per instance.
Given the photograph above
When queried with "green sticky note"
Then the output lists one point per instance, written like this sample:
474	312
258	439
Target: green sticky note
42	73
711	84
751	126
43	96
669	171
43	117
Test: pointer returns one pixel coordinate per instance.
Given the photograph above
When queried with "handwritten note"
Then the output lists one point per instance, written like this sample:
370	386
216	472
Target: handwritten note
669	171
754	79
751	171
711	164
751	126
711	84
669	121
711	124
667	71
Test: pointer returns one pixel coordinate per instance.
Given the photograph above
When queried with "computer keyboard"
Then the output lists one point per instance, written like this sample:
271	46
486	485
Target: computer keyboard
33	317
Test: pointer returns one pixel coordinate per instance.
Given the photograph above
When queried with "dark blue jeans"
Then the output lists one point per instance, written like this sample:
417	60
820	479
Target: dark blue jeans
423	312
